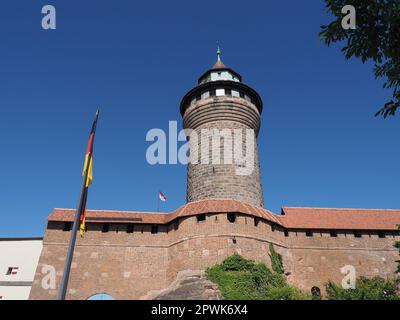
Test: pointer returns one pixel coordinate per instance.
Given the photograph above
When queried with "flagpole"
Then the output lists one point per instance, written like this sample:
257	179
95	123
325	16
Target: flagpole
70	253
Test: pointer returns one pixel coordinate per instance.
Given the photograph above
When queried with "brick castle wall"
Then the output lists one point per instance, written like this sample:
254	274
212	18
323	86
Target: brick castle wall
130	265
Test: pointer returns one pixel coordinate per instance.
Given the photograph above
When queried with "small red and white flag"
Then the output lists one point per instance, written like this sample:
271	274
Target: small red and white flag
162	196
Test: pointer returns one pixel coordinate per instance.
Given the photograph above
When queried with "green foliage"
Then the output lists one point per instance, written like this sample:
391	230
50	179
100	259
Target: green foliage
376	38
375	288
397	245
242	279
276	260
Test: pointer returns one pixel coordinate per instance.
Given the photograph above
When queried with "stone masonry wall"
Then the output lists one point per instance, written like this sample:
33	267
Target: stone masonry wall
130	265
220	180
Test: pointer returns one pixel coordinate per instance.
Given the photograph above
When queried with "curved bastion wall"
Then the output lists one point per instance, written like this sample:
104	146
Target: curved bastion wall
129	264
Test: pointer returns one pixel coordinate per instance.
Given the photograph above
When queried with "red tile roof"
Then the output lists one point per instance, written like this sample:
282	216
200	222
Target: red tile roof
292	218
190	209
334	218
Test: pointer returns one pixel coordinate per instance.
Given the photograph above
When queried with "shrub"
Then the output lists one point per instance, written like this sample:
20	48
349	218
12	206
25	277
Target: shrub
242	279
376	288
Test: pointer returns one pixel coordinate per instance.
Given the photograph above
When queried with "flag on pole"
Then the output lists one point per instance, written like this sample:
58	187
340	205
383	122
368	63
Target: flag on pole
162	197
79	219
88	172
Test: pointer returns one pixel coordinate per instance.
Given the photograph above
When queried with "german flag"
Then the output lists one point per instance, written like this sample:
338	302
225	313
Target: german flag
87	175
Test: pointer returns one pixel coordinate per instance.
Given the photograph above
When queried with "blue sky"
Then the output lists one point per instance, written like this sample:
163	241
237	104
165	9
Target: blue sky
320	144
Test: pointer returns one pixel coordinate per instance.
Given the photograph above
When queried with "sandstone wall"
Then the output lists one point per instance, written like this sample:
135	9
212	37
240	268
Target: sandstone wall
130	265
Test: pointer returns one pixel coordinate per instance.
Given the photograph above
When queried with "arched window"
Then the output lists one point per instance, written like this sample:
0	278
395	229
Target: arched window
316	293
100	296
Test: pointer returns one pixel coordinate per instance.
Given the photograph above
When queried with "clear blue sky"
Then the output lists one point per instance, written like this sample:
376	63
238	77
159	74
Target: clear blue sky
320	144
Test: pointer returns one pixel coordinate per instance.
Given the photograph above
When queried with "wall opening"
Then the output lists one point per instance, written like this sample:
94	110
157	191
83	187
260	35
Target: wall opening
100	296
67	226
316	293
231	217
154	229
130	228
201	218
309	233
106	227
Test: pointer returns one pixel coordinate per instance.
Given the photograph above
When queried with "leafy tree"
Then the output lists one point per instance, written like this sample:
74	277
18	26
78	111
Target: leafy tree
376	288
376	38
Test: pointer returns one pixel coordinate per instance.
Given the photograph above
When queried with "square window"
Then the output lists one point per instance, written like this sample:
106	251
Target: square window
309	233
12	271
130	228
381	234
333	233
201	218
154	229
357	234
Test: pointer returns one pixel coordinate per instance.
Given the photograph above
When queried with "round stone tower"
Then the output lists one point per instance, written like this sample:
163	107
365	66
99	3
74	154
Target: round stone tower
223	115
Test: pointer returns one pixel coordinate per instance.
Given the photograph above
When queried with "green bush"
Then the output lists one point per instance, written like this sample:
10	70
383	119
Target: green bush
242	279
376	288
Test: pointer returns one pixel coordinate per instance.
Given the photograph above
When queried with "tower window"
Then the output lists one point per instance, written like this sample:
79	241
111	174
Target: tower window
154	229
286	233
198	98
381	234
256	221
201	218
228	92
231	217
333	233
272	227
106	227
241	94
213	93
130	228
67	226
309	233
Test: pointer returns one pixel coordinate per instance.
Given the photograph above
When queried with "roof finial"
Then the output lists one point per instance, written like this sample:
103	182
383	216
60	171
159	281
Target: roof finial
218	52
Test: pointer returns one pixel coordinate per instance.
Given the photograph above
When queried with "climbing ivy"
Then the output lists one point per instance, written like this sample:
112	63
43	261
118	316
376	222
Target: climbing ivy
397	245
276	260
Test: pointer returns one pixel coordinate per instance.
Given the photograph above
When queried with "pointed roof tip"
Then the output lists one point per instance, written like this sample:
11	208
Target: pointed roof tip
219	64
